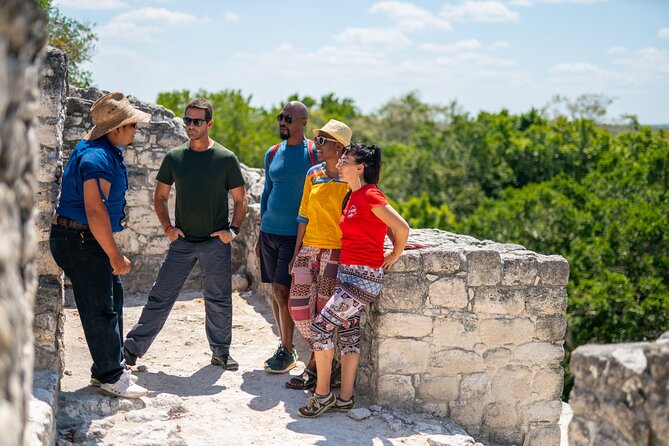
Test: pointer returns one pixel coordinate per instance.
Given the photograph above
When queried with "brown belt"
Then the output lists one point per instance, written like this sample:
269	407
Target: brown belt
66	222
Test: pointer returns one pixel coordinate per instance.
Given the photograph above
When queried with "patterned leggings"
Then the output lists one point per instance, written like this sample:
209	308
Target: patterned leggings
357	286
314	279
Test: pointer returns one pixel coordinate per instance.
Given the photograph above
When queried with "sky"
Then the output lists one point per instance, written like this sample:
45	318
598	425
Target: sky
487	54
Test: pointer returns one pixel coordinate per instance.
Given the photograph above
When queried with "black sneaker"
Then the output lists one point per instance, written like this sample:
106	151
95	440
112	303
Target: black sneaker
130	358
271	358
225	361
283	362
342	406
317	405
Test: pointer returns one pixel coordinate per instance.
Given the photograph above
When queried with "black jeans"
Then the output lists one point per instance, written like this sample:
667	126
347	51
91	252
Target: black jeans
98	294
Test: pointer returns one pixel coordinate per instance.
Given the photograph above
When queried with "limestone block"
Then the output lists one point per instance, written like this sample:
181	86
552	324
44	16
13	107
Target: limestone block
475	387
458	330
502	331
540	412
584	402
409	261
494	301
510	384
438	388
499	416
496	358
150	159
501	436
519	269
404	325
395	389
143	221
543	436
553	270
580	432
484	268
448	292
628	421
546	301
402	292
541	353
403	356
467	414
550	329
140	198
138	178
455	361
439	261
547	384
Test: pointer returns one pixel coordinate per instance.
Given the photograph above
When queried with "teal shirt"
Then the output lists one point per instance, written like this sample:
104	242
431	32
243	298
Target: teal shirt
202	181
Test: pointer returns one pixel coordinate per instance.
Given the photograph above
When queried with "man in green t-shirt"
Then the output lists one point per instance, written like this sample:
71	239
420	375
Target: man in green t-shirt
203	172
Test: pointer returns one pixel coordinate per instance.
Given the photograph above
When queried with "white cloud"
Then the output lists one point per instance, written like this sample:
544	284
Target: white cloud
409	16
474	60
160	15
554	2
479	11
90	4
617	50
144	23
663	33
380	37
578	68
500	44
470	44
230	16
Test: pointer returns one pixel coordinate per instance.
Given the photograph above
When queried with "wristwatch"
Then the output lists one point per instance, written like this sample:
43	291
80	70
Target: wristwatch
234	229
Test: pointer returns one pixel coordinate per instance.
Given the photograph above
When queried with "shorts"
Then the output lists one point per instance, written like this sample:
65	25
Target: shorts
276	252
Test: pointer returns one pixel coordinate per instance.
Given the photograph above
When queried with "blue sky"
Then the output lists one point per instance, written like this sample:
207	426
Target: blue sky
485	54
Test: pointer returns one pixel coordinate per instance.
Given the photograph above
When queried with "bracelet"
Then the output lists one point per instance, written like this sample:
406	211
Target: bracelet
167	228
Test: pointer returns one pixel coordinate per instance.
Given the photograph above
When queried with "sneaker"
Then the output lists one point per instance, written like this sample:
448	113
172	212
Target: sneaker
131	377
342	406
130	358
225	361
283	362
317	405
271	358
124	387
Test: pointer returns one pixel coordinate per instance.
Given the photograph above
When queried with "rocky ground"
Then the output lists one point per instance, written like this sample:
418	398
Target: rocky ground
192	402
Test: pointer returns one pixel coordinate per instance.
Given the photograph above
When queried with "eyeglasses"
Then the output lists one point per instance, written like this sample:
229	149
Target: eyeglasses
320	140
196	122
288	118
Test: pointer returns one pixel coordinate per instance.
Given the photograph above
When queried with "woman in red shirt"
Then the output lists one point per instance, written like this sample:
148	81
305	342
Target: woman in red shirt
364	223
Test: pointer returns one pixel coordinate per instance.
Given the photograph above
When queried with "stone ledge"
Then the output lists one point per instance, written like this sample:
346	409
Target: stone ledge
43	406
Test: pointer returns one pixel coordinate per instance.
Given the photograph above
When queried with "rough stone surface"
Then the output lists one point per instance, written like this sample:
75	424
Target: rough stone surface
22	38
620	394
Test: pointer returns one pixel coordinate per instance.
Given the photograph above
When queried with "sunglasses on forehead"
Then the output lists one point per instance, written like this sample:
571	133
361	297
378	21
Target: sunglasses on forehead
196	122
288	118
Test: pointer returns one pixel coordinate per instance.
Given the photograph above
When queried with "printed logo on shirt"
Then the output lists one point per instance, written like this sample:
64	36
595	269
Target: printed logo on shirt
351	212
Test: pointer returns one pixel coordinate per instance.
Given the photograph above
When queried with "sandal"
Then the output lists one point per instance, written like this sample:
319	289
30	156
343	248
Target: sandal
306	380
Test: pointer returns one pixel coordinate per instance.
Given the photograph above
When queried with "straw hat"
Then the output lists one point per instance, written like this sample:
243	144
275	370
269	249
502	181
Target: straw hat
338	130
112	111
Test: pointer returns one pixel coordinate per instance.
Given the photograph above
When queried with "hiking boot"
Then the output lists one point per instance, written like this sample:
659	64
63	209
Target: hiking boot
283	362
271	358
123	387
316	405
131	377
342	406
130	358
225	361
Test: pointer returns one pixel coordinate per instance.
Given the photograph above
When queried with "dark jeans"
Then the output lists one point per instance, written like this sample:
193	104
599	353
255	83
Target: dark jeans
216	268
98	294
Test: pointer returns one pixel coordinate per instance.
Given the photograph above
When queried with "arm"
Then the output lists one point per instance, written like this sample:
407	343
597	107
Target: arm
301	229
98	221
240	204
389	216
160	197
267	189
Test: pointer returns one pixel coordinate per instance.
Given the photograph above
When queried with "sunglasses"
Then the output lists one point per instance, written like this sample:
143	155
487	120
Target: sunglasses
288	118
196	122
320	140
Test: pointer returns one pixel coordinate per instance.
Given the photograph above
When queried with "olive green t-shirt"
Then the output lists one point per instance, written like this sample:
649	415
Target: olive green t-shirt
202	181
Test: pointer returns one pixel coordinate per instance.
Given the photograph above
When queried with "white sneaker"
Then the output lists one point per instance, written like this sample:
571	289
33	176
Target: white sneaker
124	387
131	377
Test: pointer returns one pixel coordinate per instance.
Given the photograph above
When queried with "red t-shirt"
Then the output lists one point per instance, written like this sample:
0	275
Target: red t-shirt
363	232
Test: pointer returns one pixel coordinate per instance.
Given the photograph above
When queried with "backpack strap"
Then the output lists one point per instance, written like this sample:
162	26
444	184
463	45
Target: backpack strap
272	152
311	148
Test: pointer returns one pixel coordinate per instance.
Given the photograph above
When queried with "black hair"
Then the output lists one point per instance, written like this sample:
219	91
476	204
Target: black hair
370	157
202	104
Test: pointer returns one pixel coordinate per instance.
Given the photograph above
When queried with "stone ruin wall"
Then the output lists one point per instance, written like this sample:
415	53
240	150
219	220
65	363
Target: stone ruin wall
621	394
467	329
22	36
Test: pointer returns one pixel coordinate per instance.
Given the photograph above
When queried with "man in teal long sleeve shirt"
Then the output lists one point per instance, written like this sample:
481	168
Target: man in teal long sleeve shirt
286	166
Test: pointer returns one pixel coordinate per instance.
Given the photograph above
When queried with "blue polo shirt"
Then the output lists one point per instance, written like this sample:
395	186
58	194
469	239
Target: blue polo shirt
95	159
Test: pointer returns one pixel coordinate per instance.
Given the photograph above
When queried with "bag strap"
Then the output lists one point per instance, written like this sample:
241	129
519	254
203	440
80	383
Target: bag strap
272	152
311	148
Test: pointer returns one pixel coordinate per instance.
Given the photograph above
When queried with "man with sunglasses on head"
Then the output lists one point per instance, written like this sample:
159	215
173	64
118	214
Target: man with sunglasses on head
203	172
286	165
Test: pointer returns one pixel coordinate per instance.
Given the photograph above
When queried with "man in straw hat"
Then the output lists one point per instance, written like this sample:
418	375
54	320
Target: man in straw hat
90	210
203	172
286	165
